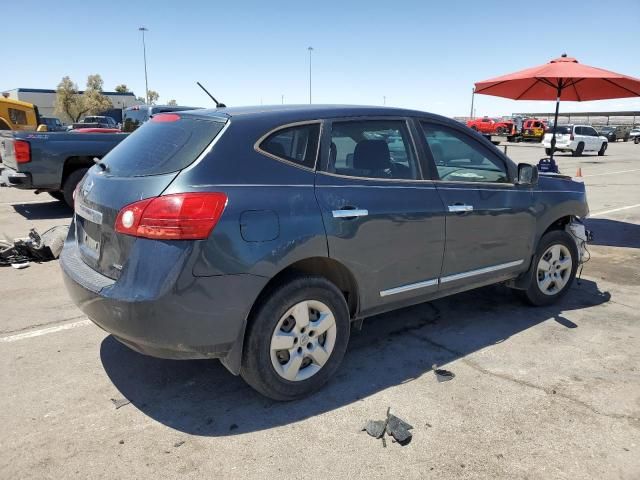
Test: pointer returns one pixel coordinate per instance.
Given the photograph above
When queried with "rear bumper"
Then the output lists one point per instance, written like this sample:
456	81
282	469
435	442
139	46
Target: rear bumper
191	318
16	179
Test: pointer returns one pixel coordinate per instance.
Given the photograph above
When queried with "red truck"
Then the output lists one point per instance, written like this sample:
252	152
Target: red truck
492	126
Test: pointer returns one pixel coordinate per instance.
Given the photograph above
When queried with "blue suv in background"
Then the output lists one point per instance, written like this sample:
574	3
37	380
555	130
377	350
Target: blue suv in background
258	235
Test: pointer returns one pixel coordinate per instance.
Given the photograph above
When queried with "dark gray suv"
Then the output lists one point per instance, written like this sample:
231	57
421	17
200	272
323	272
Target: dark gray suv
258	235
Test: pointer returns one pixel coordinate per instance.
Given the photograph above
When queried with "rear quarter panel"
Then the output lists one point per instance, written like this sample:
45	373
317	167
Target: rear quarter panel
272	218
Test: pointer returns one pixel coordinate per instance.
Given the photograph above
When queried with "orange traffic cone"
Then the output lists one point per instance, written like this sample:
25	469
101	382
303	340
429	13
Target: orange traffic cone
578	177
579	172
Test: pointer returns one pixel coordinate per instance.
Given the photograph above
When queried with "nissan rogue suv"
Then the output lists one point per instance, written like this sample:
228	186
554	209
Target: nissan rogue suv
259	235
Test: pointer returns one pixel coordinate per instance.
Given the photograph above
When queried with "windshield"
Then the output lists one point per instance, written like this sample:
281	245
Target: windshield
167	143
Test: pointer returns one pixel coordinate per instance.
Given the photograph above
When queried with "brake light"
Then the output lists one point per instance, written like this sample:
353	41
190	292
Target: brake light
571	137
180	216
23	151
165	118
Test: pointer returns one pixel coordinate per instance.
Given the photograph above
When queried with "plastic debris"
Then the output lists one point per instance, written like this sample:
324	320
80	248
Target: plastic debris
442	375
120	402
34	248
393	426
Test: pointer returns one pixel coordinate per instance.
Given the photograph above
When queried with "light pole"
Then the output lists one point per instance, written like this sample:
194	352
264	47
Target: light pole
473	94
144	52
310	50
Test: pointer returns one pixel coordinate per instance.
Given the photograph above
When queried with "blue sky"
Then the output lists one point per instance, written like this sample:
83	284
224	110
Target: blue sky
419	54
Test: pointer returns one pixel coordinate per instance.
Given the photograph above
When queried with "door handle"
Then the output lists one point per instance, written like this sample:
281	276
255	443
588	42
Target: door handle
459	208
350	213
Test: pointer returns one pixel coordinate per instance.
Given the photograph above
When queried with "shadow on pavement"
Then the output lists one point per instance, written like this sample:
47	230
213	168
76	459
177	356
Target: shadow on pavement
43	211
613	233
203	398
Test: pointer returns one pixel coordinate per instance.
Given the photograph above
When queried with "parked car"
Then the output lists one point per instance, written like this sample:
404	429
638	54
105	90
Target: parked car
635	135
576	139
533	128
621	132
95	121
135	116
18	115
52	162
491	125
258	235
53	124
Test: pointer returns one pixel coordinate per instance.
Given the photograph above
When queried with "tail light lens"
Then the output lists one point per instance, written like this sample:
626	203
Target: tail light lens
23	151
181	216
571	137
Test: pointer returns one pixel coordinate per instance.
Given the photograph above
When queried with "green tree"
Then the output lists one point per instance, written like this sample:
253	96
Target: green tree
69	102
122	88
153	97
94	100
172	102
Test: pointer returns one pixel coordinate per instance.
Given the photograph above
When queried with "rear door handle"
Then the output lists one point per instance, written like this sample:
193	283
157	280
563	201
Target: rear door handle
460	208
350	213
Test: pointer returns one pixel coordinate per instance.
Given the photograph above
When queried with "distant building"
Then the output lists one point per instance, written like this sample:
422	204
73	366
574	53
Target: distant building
45	100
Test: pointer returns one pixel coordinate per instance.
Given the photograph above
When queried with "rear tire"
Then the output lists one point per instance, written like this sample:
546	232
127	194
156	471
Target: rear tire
57	195
71	183
547	151
554	268
309	358
603	148
578	151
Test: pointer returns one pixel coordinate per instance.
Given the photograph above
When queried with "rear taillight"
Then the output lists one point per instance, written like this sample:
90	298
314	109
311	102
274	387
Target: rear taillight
571	137
180	216
23	151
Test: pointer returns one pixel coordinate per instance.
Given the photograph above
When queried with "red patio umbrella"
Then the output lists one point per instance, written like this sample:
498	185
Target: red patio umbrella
561	79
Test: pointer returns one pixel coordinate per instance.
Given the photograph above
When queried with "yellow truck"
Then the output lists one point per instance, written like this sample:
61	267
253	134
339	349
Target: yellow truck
17	115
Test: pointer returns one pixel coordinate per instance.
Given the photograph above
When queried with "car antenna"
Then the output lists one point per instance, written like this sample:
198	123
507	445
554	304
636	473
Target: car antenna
218	104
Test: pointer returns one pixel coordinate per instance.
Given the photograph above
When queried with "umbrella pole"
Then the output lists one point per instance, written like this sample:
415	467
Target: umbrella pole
555	120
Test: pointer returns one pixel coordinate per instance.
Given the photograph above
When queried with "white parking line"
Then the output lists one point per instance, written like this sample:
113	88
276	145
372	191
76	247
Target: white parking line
612	173
604	212
44	331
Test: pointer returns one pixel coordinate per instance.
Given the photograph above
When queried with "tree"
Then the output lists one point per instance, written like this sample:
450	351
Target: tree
172	102
68	101
122	88
74	105
153	97
94	100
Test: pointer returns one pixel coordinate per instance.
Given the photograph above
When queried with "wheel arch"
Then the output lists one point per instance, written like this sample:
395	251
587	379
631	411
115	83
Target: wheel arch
326	267
74	163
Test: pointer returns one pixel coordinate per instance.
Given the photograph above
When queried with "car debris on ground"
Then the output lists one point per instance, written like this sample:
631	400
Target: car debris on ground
442	375
34	248
392	426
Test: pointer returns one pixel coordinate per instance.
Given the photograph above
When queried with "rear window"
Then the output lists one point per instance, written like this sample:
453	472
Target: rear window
560	130
167	143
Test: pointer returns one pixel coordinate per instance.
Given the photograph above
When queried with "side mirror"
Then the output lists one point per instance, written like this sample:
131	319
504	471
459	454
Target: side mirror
527	174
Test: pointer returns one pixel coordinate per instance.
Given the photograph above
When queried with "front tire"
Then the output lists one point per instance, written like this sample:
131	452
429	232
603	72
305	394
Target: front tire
603	148
555	265
57	195
296	339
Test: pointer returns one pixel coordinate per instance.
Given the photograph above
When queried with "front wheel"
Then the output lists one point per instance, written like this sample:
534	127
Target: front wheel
603	148
296	339
57	195
555	265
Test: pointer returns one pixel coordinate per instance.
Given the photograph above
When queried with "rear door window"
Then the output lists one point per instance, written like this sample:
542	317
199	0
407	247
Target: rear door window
373	149
167	143
297	144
